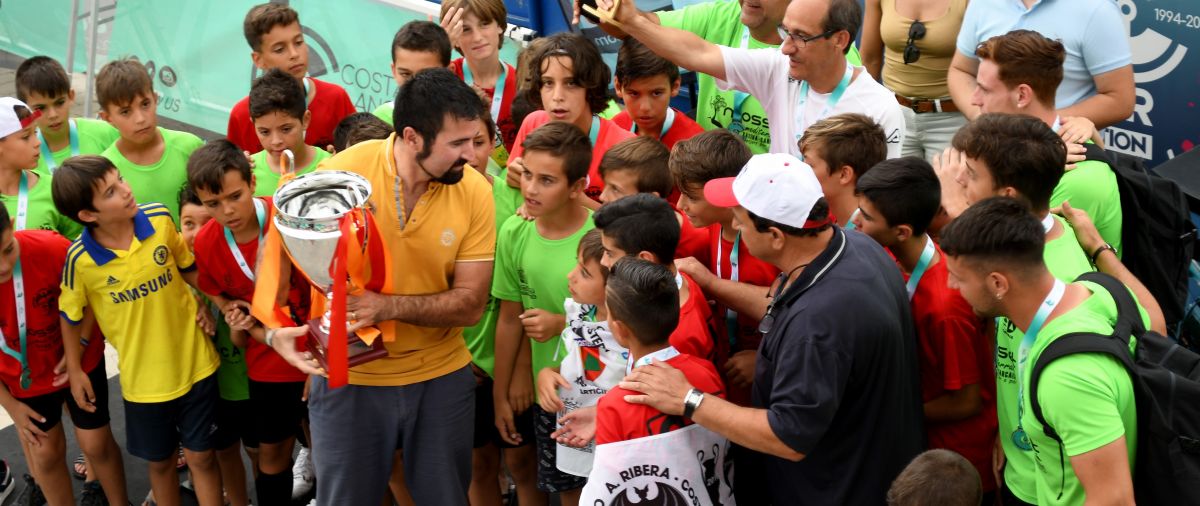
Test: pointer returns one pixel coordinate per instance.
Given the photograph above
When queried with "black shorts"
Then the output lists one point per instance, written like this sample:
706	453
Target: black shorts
50	405
154	430
485	420
549	478
276	409
233	424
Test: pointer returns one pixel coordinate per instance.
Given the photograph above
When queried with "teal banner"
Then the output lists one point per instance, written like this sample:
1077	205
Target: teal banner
52	19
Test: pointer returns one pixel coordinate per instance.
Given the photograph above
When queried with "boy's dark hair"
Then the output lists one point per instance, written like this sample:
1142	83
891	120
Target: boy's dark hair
521	108
645	157
1027	57
423	36
643	296
424	101
996	230
277	91
939	477
566	142
844	15
74	184
358	127
587	65
636	61
710	155
591	248
6	223
188	197
208	164
640	222
819	211
904	190
847	139
119	82
261	18
1020	151
42	75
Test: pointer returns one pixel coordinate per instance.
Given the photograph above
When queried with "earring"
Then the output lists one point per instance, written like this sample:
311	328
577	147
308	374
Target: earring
999	297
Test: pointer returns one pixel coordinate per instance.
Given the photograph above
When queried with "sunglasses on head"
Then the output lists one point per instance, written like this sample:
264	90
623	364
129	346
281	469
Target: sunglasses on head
912	53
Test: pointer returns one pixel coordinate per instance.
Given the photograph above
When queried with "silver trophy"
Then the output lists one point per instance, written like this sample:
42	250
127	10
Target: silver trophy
309	209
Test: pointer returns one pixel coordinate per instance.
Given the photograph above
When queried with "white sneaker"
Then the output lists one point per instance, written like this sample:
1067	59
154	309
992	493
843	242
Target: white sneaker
7	484
303	474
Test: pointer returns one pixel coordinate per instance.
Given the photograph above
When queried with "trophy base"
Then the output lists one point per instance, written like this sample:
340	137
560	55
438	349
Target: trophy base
357	351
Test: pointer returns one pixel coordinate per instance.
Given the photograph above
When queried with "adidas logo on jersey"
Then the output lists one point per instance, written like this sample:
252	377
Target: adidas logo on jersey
112	281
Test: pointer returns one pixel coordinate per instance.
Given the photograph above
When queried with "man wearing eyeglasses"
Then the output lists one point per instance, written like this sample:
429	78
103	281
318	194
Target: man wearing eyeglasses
806	80
837	405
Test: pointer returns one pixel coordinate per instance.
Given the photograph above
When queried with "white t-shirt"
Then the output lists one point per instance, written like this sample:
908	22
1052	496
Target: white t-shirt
594	364
763	73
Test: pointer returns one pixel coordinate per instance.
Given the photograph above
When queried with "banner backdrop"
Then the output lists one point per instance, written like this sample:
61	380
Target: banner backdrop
51	19
685	467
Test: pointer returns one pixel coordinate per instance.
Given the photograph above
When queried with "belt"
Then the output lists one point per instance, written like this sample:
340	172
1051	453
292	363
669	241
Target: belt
923	105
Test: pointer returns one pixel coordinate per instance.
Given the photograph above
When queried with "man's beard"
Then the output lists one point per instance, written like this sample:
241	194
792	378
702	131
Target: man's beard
452	176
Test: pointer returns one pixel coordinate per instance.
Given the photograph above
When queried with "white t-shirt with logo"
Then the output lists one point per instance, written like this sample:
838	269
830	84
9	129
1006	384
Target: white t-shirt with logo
764	74
594	364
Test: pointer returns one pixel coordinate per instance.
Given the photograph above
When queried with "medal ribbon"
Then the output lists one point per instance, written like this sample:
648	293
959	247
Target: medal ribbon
22	202
261	211
922	265
834	98
18	281
1047	306
731	316
667	123
73	135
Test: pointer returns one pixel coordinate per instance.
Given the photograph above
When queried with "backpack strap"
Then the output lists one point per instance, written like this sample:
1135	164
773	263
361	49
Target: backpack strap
1095	153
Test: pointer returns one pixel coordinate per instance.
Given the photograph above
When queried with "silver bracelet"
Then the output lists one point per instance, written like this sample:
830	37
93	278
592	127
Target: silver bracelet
692	401
270	334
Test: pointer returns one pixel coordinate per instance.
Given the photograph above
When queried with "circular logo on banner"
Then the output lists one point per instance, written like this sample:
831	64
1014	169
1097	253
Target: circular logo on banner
160	255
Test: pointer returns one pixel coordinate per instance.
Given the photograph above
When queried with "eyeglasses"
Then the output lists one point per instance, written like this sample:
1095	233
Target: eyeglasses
800	40
912	53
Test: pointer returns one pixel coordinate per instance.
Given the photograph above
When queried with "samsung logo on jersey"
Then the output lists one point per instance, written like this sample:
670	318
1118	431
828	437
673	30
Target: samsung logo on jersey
144	289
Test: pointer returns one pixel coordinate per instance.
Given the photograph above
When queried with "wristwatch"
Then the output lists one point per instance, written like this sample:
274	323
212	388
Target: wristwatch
270	334
1102	249
691	401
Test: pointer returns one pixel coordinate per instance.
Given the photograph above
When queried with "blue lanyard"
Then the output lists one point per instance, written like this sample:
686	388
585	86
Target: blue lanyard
834	98
497	92
662	355
594	133
731	316
260	211
22	202
72	134
849	222
1019	438
922	265
667	123
18	281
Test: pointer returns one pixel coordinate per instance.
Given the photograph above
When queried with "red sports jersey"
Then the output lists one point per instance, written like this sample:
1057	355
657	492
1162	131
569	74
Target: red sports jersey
683	128
329	105
750	270
504	123
955	352
693	336
609	134
617	420
42	256
219	274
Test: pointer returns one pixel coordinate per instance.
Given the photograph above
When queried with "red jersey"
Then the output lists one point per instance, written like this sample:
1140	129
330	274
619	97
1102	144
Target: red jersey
609	134
329	105
504	123
42	255
617	420
752	271
219	274
693	242
955	352
693	336
682	128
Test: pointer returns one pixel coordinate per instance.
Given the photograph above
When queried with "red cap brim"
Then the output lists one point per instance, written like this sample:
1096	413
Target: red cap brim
719	192
30	119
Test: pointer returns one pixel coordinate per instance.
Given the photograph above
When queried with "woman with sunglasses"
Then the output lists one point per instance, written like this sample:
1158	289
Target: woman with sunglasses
907	45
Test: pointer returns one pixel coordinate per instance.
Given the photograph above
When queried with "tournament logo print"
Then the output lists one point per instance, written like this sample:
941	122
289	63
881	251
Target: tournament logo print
663	495
160	255
593	367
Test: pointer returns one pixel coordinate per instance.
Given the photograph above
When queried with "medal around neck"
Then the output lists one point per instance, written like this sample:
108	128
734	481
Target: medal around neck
321	217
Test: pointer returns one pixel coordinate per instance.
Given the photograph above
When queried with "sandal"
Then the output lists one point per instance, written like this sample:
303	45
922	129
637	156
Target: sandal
79	468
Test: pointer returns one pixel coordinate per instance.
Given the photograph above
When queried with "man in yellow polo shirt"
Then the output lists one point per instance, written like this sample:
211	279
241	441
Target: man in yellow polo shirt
436	221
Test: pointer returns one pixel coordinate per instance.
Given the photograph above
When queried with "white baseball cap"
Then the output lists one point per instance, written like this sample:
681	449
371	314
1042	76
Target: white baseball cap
9	122
775	186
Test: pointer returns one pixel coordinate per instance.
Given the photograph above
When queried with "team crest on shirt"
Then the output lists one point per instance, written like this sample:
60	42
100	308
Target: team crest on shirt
447	237
160	255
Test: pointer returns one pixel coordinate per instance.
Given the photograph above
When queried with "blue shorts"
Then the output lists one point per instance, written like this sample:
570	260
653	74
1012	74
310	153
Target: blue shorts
153	430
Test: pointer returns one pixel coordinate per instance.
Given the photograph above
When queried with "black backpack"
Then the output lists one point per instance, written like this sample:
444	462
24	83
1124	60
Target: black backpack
1166	383
1157	233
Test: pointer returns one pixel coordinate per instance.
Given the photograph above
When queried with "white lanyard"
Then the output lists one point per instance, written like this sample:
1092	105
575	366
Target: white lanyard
834	97
662	355
1048	222
73	139
1019	438
667	123
922	265
731	316
22	202
260	211
18	281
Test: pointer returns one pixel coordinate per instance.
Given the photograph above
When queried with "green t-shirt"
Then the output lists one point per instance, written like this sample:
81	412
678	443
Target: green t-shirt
266	181
161	181
1092	187
533	270
41	213
506	198
1088	398
720	22
232	379
1066	261
95	136
384	112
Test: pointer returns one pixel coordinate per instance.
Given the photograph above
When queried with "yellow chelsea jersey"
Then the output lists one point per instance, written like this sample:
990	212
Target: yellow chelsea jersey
143	306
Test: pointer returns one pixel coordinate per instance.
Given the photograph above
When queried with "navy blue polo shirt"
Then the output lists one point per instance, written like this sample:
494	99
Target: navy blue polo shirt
838	376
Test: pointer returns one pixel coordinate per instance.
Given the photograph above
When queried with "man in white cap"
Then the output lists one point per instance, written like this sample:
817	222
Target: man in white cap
837	404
